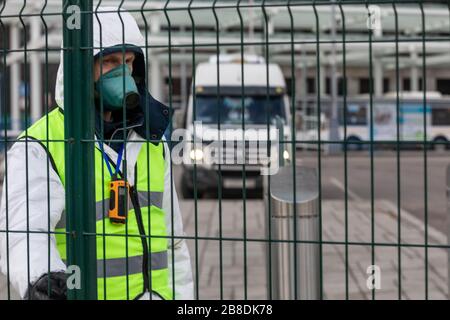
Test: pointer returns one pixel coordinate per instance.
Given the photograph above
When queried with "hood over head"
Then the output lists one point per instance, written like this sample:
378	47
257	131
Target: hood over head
113	30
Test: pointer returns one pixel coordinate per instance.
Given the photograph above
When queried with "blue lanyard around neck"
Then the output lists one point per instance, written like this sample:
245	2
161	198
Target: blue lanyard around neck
106	158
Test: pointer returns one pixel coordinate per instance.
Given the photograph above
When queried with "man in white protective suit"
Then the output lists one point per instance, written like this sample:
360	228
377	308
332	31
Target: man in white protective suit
151	262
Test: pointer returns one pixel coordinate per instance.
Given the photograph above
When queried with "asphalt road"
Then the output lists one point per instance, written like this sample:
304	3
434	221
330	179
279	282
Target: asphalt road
420	189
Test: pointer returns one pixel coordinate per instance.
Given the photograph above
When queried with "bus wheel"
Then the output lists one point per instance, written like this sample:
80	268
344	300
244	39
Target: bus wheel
354	144
440	144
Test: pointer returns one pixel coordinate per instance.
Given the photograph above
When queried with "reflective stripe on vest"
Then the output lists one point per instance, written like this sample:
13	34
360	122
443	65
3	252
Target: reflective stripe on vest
120	255
101	207
131	265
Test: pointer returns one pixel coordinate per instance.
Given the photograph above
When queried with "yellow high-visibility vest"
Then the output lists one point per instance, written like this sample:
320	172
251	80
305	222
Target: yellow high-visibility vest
131	257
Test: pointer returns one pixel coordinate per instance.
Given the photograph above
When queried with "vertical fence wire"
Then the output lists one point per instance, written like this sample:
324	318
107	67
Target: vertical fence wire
425	143
194	116
102	134
319	144
397	123
293	146
5	120
244	151
345	146
27	187
265	50
219	183
172	239
46	109
372	162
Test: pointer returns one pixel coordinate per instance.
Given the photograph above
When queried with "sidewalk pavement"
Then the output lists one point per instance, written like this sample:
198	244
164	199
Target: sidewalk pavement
386	252
222	271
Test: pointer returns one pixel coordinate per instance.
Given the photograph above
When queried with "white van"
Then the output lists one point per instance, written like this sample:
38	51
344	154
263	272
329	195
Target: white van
218	107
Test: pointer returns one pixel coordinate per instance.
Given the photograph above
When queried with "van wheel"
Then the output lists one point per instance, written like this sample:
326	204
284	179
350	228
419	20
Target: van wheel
440	144
354	144
188	193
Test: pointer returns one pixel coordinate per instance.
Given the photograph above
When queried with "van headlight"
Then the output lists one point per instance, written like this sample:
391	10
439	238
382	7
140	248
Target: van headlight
196	154
286	155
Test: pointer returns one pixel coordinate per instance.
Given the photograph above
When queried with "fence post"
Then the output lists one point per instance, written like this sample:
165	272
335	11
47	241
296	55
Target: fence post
79	151
294	265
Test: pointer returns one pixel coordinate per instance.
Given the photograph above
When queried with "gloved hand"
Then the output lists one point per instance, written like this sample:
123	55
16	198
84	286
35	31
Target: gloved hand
58	287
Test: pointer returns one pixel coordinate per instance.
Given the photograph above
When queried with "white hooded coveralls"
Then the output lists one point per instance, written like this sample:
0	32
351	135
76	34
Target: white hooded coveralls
26	255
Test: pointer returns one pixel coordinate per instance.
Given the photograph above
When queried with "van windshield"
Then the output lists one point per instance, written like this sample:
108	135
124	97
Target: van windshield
258	109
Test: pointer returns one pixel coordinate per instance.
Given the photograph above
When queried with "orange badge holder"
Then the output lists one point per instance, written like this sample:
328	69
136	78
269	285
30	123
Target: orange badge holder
118	201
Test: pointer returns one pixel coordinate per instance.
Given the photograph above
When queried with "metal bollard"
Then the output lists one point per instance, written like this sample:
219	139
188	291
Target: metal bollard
287	258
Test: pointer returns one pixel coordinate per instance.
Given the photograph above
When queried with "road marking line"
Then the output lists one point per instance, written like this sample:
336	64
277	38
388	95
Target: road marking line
438	236
341	186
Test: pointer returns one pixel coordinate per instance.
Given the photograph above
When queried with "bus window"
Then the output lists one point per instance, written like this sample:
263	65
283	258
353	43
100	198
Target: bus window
440	116
356	115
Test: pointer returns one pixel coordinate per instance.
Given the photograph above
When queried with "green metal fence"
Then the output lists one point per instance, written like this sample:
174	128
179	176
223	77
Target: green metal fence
354	90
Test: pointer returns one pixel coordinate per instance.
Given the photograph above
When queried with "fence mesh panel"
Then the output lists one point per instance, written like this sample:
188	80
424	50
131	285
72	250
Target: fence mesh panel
243	149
